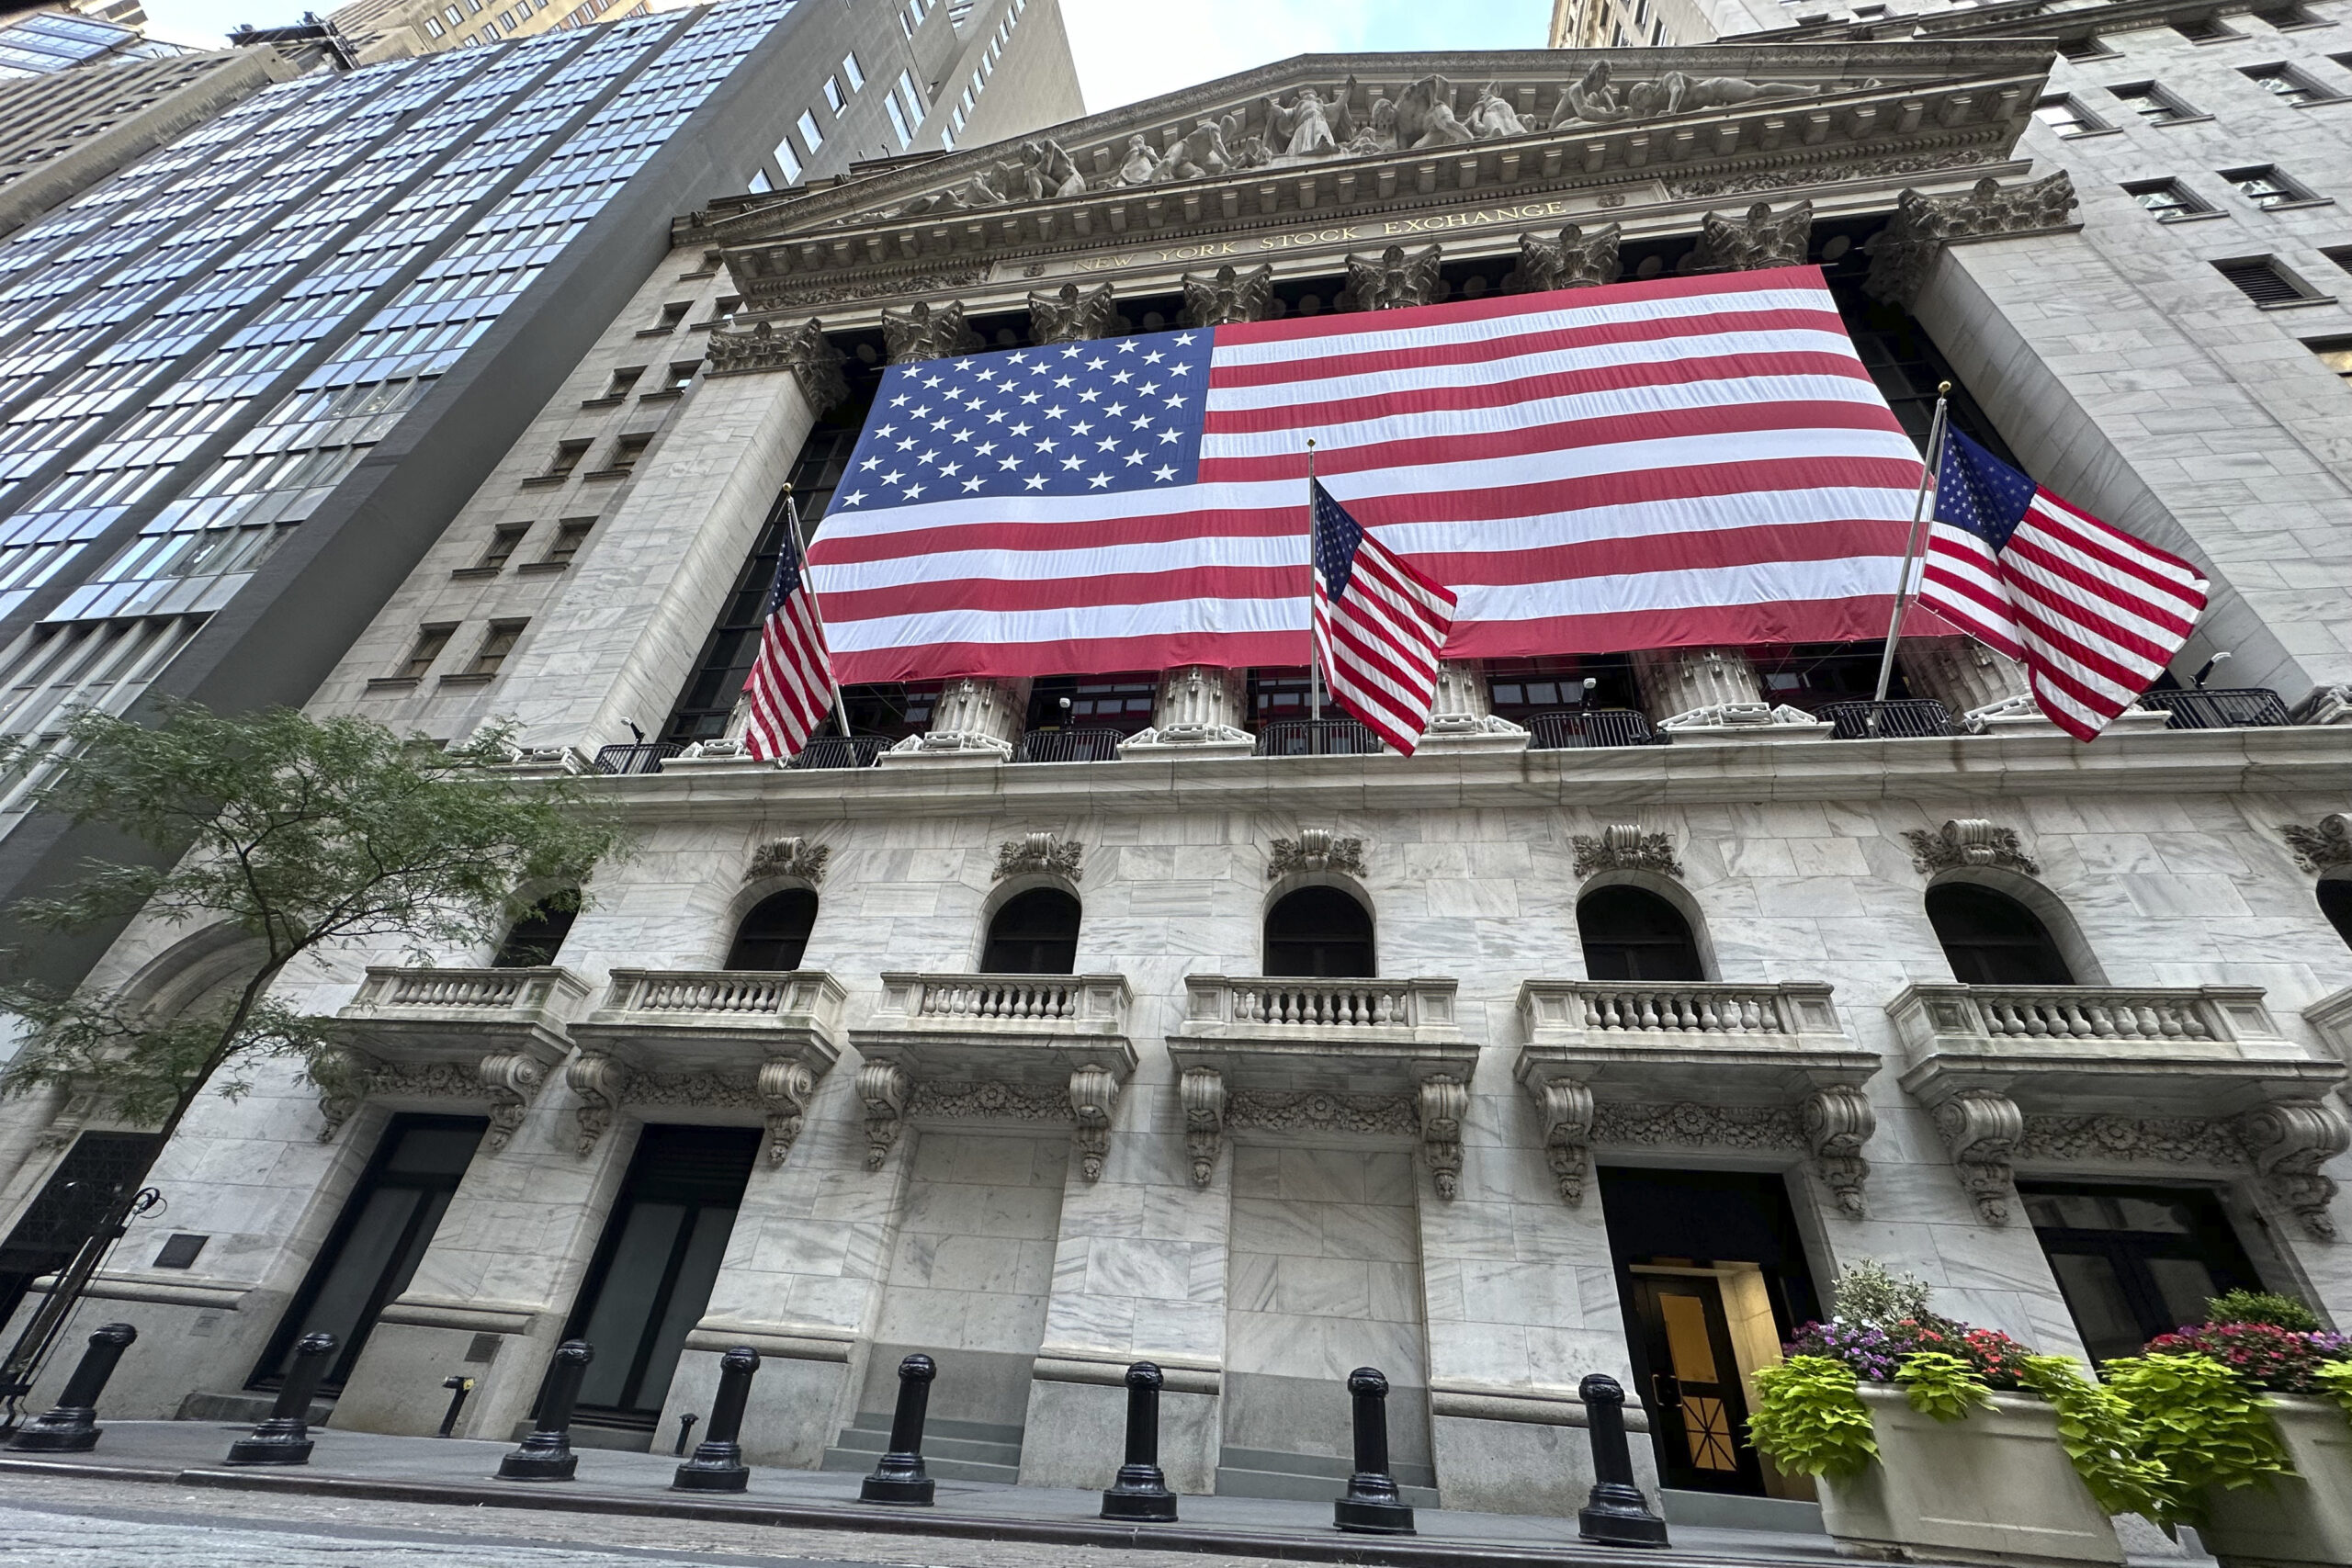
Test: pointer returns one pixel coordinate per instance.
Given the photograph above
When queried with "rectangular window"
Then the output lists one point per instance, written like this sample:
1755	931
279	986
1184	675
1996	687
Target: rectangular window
833	99
506	18
624	381
567	458
626	450
2288	84
671	314
2205	30
1658	34
496	644
430	641
2286	16
457	18
432	27
905	26
947	140
760	182
2267	187
2335	353
2089	47
810	137
2340	255
2166	198
955	122
503	541
2067	118
850	70
913	100
2263	281
570	536
898	122
474	5
682	376
2154	105
722	310
788	160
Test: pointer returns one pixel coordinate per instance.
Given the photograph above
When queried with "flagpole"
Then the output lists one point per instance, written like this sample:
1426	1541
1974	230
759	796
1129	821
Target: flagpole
816	611
1314	649
1911	546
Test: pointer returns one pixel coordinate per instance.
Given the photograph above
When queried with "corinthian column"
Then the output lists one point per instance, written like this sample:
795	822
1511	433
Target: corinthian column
976	720
1714	691
1463	718
1198	713
1977	685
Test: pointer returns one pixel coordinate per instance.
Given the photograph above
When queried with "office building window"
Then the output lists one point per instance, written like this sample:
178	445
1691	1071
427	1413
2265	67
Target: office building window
567	458
2286	16
788	160
570	535
2157	104
2090	47
833	99
503	541
626	450
624	381
760	182
671	314
2166	198
854	73
2335	353
810	137
2205	30
430	641
432	27
2288	84
682	376
2263	281
2340	255
2066	117
898	122
496	644
2267	187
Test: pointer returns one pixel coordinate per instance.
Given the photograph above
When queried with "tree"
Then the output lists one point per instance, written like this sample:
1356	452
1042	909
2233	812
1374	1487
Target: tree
300	834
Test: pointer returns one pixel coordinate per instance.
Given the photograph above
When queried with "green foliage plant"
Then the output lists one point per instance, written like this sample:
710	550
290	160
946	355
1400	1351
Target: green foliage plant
2263	1306
2201	1422
1810	1419
2335	1382
1942	1386
1870	1292
2102	1442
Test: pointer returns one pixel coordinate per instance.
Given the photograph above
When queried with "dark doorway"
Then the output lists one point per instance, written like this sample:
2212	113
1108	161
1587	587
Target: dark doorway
1035	933
1990	939
536	939
775	933
653	1271
1318	933
2335	903
1684	1242
2134	1262
87	1190
386	1225
1631	934
1694	1388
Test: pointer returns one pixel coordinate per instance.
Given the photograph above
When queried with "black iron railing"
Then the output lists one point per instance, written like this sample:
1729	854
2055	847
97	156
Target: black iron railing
645	757
2242	707
1069	746
1567	729
1316	737
842	751
1900	718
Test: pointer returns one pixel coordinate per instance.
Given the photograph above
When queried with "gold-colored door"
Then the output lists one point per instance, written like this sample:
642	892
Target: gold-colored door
1697	1407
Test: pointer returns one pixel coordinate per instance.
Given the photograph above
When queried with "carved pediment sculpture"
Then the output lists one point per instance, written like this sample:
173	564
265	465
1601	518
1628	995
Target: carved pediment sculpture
1393	279
804	349
1680	92
1901	252
1072	314
1310	125
1969	841
1761	239
1425	116
790	857
1229	296
1575	260
2319	848
925	330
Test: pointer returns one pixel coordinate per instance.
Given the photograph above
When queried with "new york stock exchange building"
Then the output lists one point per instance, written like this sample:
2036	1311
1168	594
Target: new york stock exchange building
1047	1022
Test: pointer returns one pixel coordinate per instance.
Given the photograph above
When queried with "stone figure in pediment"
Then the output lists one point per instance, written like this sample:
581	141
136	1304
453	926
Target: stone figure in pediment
1203	152
1591	99
1678	93
1141	166
1491	117
980	190
1425	116
1311	126
1046	170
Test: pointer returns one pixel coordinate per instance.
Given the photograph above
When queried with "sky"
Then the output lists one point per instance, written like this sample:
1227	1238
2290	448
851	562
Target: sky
1125	50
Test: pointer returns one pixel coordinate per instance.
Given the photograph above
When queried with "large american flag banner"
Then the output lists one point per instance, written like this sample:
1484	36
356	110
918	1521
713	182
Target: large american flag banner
2093	613
1685	461
1379	626
790	689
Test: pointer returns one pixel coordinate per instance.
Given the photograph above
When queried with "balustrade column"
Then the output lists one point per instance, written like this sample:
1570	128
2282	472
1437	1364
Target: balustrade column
976	719
1199	712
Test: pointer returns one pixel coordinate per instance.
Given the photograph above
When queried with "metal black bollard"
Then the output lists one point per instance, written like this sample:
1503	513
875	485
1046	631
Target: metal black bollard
72	1428
545	1454
717	1464
1616	1514
1370	1505
685	1425
459	1386
1141	1491
285	1438
900	1477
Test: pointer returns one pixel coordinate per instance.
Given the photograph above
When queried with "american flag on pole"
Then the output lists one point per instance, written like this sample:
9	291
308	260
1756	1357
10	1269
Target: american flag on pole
1691	460
2093	613
790	687
1378	626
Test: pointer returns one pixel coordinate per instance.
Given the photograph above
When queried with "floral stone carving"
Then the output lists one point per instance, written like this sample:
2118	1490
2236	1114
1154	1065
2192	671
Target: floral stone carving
1227	297
1394	279
1623	846
1901	252
1201	1092
2290	1141
803	350
1968	840
1837	1121
2322	846
1575	260
789	857
1315	849
925	330
1038	855
1443	1102
1073	314
1761	239
1684	1122
1981	1130
1391	1115
1566	1109
884	1090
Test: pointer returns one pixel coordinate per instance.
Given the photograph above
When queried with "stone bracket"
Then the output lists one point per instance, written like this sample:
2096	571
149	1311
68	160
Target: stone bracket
2289	1140
512	1078
1980	1129
1564	1105
1838	1120
884	1090
786	1086
1442	1102
602	1083
1093	1094
1201	1092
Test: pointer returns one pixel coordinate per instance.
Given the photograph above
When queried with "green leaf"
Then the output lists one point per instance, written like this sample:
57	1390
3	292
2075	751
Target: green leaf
1810	1419
2201	1423
1942	1386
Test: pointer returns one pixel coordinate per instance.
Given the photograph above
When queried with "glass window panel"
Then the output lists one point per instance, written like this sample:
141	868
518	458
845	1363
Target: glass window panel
627	1298
2095	1298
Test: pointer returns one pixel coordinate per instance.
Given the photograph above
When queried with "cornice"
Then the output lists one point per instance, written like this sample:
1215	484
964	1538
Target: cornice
2022	21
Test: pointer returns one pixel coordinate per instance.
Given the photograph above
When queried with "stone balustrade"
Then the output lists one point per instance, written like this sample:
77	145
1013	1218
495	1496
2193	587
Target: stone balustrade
472	1035
1698	1007
2210	1021
747	993
1260	1002
1074	1003
502	991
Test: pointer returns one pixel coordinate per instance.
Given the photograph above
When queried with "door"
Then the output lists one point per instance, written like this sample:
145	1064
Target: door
381	1237
1697	1408
656	1265
85	1194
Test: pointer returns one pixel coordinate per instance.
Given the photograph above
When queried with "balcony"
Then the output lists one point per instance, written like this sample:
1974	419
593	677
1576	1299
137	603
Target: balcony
1069	746
1574	729
2247	707
645	757
1357	1036
1901	719
689	1021
1316	738
416	1016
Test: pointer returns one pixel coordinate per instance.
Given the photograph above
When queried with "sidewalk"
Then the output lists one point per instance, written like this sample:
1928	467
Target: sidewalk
427	1470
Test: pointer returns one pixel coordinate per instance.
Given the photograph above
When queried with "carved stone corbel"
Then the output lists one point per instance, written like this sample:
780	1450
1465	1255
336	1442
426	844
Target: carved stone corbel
1093	1094
804	349
1623	846
1072	314
1565	1107
1837	1121
1759	239
1038	855
342	1076
1201	1092
601	1082
1443	1102
1904	251
884	1088
1968	840
925	330
1315	849
1575	260
789	857
784	1085
2289	1140
511	1079
1394	279
2322	846
1228	296
1982	1129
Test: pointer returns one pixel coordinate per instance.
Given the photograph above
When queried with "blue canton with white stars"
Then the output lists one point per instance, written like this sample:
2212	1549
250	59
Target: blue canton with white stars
1336	535
1090	418
1977	491
787	565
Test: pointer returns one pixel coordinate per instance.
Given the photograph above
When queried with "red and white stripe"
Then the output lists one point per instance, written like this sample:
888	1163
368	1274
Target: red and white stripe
1379	643
1686	461
790	688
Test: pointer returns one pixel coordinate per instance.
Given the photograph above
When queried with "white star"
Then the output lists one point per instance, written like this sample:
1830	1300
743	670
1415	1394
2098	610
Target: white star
1035	481
988	375
1128	346
885	430
939	425
996	416
1116	409
1058	411
1154	357
1164	474
900	402
913	491
1040	368
1096	363
853	497
1100	481
1141	421
871	464
984	448
1179	370
1071	352
975	404
1134	459
906	444
1028	397
1072	463
1021	429
950	468
971	484
963	365
1060	381
1184	338
1149	387
1173	402
1008	462
1088	395
1017	357
893	476
1047	444
1082	427
1121	376
933	380
961	435
1108	443
922	413
1168	435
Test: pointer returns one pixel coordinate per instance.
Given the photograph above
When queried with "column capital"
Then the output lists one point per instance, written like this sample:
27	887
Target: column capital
1760	238
804	349
1906	250
925	330
1395	278
1575	260
1229	296
1071	314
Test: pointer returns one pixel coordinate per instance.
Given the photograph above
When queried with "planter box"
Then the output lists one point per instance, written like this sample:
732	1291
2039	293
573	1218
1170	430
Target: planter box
2299	1519
1995	1489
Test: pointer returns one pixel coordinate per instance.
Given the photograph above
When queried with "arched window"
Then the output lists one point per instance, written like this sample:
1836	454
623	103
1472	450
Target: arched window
775	933
1035	933
2335	903
1631	934
536	939
1990	939
1318	933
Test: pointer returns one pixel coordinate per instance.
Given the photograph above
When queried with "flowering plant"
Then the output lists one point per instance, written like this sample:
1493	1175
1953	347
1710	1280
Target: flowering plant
2265	1355
1877	1352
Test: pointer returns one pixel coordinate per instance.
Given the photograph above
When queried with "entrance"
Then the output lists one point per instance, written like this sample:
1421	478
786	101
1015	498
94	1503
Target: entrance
1712	1278
1694	1393
2134	1262
386	1225
653	1271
